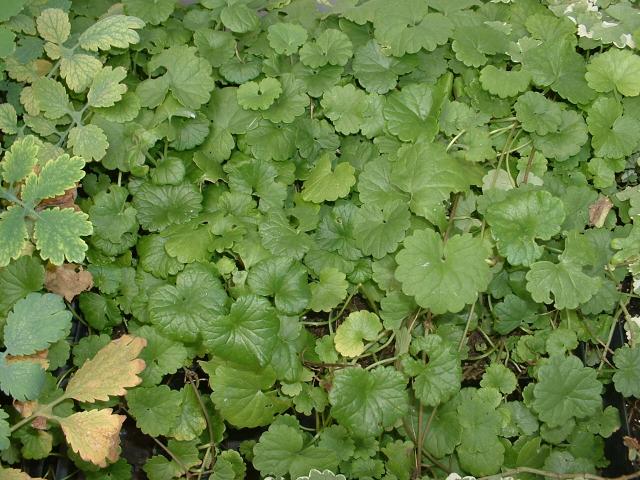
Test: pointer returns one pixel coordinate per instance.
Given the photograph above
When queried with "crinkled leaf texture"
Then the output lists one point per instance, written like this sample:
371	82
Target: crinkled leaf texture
368	401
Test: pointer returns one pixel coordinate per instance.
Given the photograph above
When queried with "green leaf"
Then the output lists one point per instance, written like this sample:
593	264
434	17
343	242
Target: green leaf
614	70
538	114
53	25
614	134
627	376
11	8
14	232
88	141
188	76
112	216
159	206
183	311
259	95
117	31
522	217
79	70
324	184
504	83
239	18
564	280
566	389
8	119
378	231
55	177
407	27
331	47
480	450
358	326
155	409
191	422
106	89
286	38
161	355
18	279
154	257
20	160
566	141
284	279
375	71
247	335
57	235
36	322
443	278
245	398
5	431
22	379
368	401
556	64
154	13
499	377
412	113
346	107
51	97
328	291
437	380
281	450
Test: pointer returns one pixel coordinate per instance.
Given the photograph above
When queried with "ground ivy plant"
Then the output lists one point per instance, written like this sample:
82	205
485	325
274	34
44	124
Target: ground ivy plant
327	239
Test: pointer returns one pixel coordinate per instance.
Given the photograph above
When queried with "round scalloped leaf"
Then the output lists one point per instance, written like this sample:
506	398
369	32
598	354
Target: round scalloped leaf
615	69
443	278
286	38
283	278
522	217
247	335
566	389
332	47
324	184
36	322
358	326
159	206
13	231
259	95
412	113
329	290
378	231
346	106
566	141
182	311
155	409
504	83
538	114
614	135
21	378
627	375
565	281
368	401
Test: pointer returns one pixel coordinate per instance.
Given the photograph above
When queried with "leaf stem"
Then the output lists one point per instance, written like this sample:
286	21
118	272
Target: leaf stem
40	412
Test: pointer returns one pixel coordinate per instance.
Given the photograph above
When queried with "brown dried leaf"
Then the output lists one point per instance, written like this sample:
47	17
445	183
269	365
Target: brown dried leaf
26	409
68	280
114	368
66	200
599	210
14	474
94	435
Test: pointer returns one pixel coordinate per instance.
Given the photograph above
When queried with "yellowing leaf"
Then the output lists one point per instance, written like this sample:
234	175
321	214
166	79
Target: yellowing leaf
53	25
15	474
94	435
114	368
